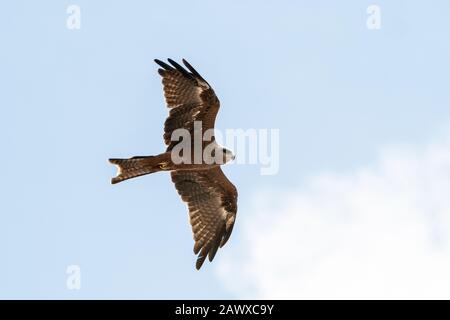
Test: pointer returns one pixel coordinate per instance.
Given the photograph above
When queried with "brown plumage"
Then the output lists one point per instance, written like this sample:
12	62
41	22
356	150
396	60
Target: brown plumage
211	198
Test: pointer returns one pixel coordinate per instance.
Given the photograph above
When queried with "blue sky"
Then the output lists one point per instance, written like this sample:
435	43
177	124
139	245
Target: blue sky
71	99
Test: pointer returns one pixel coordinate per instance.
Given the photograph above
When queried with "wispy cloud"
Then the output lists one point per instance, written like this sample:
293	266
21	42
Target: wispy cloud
381	231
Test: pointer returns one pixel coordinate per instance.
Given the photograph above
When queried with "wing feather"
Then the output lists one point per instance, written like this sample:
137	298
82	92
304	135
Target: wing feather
212	203
163	64
188	96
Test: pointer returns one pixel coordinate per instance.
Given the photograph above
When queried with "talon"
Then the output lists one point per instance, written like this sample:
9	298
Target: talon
163	165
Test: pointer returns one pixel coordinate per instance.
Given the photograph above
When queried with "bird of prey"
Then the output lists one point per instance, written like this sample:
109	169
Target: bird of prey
211	198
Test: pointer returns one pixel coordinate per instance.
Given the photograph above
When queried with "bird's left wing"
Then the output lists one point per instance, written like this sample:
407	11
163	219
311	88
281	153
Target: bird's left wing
212	205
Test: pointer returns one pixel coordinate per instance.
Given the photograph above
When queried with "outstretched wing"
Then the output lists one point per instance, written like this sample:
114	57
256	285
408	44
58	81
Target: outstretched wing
189	97
212	204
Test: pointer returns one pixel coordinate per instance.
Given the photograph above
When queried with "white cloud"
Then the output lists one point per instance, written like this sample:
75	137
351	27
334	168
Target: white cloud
382	231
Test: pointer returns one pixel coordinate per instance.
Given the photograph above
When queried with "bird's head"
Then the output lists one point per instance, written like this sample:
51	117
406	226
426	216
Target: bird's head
227	155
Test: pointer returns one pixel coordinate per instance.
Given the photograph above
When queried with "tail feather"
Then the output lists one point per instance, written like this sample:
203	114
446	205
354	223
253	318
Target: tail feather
133	167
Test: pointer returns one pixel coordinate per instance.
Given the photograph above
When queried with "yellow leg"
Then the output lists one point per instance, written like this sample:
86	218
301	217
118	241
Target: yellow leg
163	165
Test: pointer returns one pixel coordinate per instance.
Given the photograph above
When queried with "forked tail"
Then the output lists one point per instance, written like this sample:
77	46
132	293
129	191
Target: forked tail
135	167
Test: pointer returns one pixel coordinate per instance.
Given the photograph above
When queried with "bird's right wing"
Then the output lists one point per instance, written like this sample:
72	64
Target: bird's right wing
189	97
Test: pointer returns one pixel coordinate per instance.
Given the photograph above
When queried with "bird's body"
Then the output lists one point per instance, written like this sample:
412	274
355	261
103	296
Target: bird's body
194	165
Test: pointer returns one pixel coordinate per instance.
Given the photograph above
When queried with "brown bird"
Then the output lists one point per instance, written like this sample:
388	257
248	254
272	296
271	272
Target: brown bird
194	165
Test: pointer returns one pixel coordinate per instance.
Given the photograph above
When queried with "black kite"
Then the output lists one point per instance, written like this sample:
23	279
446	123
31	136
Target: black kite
211	198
